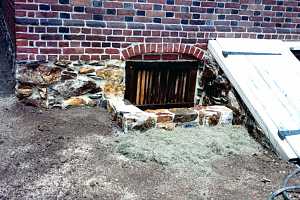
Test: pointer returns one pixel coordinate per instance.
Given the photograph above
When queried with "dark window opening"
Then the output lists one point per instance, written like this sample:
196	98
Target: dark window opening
153	85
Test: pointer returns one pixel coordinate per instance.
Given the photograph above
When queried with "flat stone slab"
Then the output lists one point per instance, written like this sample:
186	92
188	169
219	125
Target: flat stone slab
183	115
163	115
214	115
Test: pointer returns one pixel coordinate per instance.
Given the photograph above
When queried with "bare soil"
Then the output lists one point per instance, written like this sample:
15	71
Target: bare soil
71	154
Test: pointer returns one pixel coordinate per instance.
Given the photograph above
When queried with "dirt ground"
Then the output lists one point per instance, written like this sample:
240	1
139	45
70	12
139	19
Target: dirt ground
70	154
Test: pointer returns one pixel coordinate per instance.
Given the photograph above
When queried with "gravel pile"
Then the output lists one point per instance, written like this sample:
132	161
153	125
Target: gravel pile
191	148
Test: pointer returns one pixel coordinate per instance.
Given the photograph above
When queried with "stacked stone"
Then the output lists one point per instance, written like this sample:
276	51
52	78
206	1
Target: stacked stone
215	89
64	83
129	117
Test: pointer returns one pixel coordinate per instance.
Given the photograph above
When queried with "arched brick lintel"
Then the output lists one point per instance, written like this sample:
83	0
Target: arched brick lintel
196	50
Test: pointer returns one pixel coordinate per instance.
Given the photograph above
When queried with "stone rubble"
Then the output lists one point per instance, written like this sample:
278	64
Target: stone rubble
64	83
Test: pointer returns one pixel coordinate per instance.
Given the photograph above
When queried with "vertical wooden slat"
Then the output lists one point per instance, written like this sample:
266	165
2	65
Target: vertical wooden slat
192	84
158	88
142	87
137	101
178	97
189	77
150	87
184	86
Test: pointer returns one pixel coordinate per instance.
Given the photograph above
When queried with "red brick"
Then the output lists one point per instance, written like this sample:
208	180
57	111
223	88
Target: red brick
139	57
153	48
135	39
148	48
125	54
64	44
46	1
95	57
50	51
105	57
46	14
136	50
81	2
151	57
27	50
170	57
27	36
74	57
142	48
41	57
130	52
64	57
116	56
22	56
112	4
94	51
21	29
181	48
20	13
159	48
85	57
200	55
21	43
112	51
73	50
23	6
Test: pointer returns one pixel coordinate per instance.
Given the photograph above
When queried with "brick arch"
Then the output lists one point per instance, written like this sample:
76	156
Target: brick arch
196	51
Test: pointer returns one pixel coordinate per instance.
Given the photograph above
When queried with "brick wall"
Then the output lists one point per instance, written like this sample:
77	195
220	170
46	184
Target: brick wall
102	29
8	12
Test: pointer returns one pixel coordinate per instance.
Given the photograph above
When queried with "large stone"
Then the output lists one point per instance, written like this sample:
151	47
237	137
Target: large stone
74	87
138	121
67	75
32	95
63	63
163	115
86	70
111	74
78	101
115	63
214	115
42	75
97	63
114	89
183	115
23	91
169	126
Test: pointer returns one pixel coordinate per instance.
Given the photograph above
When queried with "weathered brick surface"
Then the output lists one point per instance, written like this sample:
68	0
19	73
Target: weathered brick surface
89	29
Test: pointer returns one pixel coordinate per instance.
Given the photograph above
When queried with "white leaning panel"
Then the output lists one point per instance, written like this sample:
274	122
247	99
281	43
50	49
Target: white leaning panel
264	83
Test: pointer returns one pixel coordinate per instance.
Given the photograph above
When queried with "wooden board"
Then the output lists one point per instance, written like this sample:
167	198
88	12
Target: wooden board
268	84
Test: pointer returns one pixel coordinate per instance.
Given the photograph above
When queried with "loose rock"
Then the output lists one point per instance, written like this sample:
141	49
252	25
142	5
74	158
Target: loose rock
86	70
75	87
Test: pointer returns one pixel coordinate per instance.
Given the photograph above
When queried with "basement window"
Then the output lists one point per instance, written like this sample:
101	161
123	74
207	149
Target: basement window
153	85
